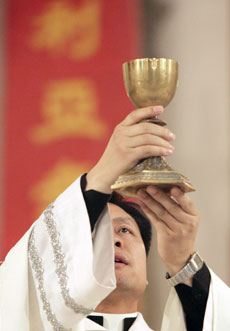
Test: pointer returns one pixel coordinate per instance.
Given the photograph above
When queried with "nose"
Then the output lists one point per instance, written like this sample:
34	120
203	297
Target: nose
117	241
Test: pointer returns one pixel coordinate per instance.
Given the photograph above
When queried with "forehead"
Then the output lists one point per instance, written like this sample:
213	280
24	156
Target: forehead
118	215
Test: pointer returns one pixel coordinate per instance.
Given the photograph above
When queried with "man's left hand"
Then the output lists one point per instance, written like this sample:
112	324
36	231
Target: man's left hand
176	221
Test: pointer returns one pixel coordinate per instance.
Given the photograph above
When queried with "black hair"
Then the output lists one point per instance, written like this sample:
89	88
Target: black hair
139	217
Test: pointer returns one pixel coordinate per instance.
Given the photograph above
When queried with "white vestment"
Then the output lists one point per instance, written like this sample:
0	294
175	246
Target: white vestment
59	272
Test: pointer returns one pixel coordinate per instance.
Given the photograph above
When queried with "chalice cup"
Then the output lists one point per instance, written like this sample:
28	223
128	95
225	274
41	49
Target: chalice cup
151	82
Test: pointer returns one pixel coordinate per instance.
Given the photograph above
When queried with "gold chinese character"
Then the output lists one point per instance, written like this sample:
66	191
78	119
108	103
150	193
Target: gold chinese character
64	28
54	182
69	109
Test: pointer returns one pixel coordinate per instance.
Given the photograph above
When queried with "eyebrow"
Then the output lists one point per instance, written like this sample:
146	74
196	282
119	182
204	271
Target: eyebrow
124	220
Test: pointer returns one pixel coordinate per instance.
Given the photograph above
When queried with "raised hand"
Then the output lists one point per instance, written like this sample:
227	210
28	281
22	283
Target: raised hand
131	141
176	221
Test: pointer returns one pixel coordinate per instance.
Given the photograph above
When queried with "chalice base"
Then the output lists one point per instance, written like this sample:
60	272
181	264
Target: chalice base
151	171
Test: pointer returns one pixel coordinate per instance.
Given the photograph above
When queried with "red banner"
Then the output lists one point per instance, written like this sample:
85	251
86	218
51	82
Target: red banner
64	94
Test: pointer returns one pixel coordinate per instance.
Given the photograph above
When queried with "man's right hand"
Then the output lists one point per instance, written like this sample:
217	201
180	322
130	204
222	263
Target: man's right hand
131	141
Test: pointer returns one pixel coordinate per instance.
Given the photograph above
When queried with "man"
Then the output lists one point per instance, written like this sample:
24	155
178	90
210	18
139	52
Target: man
59	273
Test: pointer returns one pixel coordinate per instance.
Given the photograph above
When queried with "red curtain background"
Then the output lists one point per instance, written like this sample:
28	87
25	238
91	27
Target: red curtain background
64	95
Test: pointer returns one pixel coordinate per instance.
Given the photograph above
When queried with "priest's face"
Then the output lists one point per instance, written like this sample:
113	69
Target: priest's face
130	255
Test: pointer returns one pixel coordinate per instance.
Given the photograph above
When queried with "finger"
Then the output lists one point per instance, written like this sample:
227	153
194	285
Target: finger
172	207
158	210
150	128
142	113
146	151
185	202
148	139
158	224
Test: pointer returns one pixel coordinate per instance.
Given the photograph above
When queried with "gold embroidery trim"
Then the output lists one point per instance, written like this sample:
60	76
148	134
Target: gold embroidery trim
60	263
36	263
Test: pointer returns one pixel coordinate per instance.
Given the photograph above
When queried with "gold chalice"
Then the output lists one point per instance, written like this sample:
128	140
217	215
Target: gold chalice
150	82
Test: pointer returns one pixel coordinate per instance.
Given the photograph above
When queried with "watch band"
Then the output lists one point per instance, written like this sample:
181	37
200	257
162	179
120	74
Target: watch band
194	264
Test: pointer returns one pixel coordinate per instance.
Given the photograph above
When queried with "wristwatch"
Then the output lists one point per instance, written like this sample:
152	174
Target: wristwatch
194	264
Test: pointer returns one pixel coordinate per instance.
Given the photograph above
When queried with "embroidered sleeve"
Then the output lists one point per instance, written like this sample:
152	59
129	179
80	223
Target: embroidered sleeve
63	258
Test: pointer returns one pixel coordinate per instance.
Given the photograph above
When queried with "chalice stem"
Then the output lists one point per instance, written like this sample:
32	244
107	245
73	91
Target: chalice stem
155	120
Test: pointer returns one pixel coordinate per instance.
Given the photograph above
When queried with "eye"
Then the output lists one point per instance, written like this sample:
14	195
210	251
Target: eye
124	230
